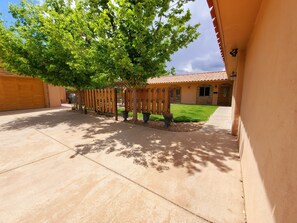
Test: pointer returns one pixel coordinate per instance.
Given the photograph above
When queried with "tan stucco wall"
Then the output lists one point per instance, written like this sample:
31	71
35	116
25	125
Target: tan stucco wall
189	91
205	100
237	93
268	115
55	95
19	92
62	94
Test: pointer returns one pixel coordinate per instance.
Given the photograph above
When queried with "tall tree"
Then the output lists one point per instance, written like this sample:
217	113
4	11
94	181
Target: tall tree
76	42
143	35
56	42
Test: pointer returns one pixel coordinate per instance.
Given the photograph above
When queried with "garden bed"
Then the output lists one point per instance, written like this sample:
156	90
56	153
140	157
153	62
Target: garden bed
186	118
175	126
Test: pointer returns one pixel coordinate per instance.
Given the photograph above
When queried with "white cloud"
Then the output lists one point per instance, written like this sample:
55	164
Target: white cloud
204	53
207	62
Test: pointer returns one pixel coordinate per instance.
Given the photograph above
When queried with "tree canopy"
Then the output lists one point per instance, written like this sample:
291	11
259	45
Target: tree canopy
53	41
80	43
144	34
71	42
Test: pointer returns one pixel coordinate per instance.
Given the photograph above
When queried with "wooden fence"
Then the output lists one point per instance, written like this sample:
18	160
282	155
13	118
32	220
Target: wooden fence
152	100
101	100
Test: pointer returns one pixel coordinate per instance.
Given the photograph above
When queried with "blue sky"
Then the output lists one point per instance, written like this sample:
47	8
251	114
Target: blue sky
200	56
4	8
203	54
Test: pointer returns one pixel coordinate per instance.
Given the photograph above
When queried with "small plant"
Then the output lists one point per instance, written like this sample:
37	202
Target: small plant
168	117
146	116
125	115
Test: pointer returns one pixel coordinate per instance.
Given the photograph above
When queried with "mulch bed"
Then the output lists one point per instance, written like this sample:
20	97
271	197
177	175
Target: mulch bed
175	126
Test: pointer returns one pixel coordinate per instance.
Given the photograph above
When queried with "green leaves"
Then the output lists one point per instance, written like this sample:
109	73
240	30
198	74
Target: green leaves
154	30
78	43
55	42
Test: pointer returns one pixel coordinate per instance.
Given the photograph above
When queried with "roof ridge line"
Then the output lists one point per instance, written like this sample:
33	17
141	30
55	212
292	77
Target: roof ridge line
202	73
189	74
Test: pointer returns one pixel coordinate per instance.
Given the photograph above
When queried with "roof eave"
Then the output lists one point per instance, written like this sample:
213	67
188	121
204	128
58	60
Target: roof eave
233	23
191	82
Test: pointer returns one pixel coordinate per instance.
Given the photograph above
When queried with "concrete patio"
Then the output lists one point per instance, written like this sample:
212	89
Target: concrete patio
58	165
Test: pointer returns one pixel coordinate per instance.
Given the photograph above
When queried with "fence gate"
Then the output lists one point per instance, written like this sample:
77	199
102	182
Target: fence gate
103	101
152	100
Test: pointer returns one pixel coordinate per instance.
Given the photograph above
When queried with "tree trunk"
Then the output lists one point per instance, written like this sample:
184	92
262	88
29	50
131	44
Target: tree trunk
134	96
80	95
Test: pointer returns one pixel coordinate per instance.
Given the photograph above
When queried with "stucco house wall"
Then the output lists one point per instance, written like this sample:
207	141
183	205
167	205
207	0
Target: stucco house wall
264	102
20	92
268	120
56	95
62	92
205	100
190	92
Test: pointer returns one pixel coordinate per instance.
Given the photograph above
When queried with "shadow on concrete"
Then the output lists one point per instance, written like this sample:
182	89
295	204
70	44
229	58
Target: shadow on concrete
161	150
31	110
74	120
150	148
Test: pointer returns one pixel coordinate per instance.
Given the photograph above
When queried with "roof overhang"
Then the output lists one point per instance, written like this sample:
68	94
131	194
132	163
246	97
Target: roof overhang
233	21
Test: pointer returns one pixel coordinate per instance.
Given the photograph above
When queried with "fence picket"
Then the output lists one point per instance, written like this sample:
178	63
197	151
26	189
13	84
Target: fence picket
110	100
101	100
152	100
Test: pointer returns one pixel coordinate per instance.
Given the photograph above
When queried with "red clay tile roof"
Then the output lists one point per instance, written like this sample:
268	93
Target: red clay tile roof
209	76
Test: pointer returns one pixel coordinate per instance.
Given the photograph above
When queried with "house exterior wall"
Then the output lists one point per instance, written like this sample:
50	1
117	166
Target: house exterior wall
267	115
190	92
62	91
205	100
224	94
21	93
55	95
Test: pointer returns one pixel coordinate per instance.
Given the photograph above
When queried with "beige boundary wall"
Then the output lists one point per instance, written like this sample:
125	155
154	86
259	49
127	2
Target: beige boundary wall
268	114
56	94
20	92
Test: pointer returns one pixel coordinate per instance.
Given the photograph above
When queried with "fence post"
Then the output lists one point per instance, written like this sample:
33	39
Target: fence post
116	103
169	102
130	100
94	100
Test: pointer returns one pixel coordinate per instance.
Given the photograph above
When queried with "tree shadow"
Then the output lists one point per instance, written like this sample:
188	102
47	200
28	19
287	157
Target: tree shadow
162	150
32	110
150	148
90	125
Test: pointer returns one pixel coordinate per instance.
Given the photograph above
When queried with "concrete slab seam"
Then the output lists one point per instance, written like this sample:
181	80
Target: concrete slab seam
35	161
132	181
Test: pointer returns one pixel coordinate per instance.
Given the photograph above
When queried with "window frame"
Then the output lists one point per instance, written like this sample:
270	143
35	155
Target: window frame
174	97
203	88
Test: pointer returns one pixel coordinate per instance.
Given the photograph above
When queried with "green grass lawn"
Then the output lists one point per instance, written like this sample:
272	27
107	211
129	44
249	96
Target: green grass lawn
183	113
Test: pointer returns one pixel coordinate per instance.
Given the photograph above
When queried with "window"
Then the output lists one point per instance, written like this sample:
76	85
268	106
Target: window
175	94
171	93
204	91
225	92
177	98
